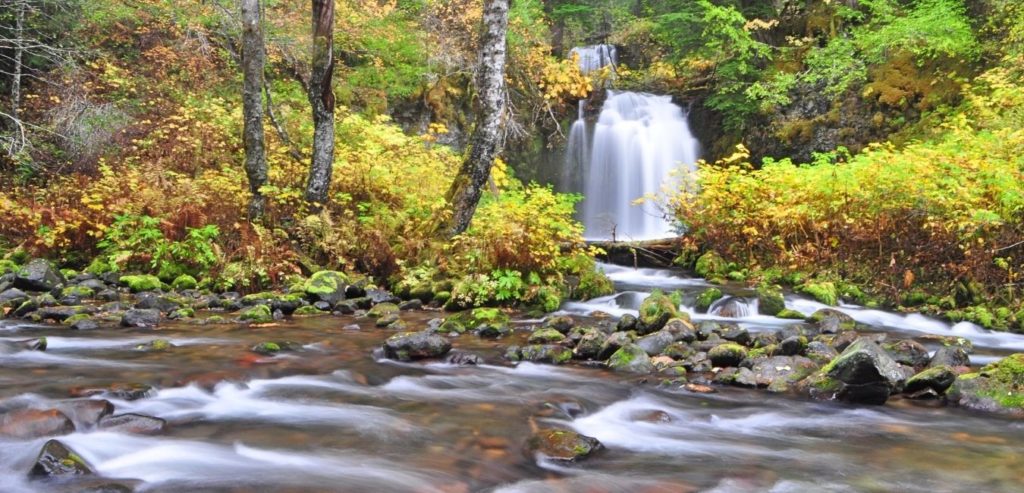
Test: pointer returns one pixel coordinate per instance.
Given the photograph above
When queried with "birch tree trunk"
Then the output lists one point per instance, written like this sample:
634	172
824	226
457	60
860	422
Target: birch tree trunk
321	99
465	192
253	61
19	50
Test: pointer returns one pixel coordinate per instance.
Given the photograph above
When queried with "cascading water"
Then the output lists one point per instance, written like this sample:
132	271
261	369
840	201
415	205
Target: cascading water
636	143
595	57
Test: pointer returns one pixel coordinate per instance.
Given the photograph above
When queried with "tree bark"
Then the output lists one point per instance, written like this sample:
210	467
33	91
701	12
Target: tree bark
321	99
253	61
19	50
465	192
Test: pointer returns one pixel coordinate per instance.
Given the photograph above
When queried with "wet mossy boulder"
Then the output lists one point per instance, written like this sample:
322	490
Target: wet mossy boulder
707	298
832	321
140	283
381	310
790	314
56	460
258	314
728	354
38	275
80	292
140	318
326	285
34	423
408	346
267	348
626	323
540	353
655	311
954	356
562	324
184	282
908	352
630	358
560	445
779	373
770	300
823	292
997	388
930	383
862	373
589	343
308	310
546	335
711	265
655	343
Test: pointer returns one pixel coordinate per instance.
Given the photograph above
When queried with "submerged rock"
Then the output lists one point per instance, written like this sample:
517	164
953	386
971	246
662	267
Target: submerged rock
35	423
57	460
407	346
997	388
560	445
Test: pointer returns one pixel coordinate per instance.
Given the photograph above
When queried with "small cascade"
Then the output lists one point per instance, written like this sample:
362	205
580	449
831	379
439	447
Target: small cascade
595	57
578	156
636	143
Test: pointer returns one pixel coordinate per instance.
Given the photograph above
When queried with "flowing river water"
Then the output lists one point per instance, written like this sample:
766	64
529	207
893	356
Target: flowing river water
333	417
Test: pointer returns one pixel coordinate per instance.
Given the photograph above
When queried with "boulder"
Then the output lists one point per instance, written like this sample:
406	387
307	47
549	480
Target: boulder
930	383
655	311
547	335
831	321
164	304
997	388
140	318
654	344
863	373
57	460
778	373
86	413
953	356
630	359
732	307
770	300
820	352
562	324
728	354
136	424
407	346
626	323
734	333
707	298
560	445
138	284
326	285
540	353
38	275
908	352
35	423
259	314
681	330
589	344
613	342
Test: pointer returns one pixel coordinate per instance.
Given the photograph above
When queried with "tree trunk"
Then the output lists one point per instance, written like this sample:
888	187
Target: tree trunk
253	61
464	194
321	99
19	50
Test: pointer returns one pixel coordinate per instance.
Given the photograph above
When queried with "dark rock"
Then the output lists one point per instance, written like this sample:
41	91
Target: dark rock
125	392
791	346
406	346
613	342
151	301
560	445
626	323
57	460
764	339
735	333
387	319
654	344
35	423
681	330
540	353
347	307
62	313
770	300
39	275
140	318
492	330
679	351
655	311
863	373
589	344
729	354
844	339
85	324
820	352
936	379
832	321
413	304
94	284
108	295
562	324
13	297
136	424
908	352
952	356
731	307
741	377
378	296
630	358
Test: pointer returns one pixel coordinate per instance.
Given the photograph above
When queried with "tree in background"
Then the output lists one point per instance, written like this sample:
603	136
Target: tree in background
465	192
253	61
321	99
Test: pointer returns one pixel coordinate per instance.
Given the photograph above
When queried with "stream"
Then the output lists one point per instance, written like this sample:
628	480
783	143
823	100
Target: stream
333	417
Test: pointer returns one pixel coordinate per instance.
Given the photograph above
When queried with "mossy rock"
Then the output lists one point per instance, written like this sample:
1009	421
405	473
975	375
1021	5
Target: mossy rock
326	283
997	388
99	266
184	282
267	348
655	311
823	292
770	300
631	358
381	310
308	310
140	283
450	326
726	355
156	346
790	314
8	266
540	353
77	292
478	316
259	314
707	298
711	265
560	445
181	313
72	320
547	335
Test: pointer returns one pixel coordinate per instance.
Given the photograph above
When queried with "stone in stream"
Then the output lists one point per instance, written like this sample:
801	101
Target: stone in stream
654	344
589	344
655	311
954	356
407	346
57	460
387	319
562	324
13	297
820	352
631	358
734	333
681	330
62	313
85	324
35	423
258	314
626	323
86	413
547	335
908	352
126	392
728	354
779	373
997	388
560	445
832	321
791	346
863	373
770	300
136	424
326	285
707	298
462	358
38	275
540	353
140	318
732	307
613	342
930	383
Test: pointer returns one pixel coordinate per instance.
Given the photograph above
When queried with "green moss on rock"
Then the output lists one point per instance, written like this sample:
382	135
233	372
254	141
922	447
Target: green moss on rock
707	298
138	284
184	282
258	314
823	292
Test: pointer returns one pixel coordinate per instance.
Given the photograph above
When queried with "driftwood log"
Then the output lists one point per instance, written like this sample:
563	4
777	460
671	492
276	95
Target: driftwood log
652	253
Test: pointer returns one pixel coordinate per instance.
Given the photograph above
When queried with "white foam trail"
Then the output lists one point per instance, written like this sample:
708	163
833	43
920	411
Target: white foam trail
88	343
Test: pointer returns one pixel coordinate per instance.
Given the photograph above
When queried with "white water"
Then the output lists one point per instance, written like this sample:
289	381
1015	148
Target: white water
595	57
638	140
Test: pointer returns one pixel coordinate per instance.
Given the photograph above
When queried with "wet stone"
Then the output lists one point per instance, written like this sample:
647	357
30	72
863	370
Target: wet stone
407	346
35	423
136	424
57	460
141	318
561	445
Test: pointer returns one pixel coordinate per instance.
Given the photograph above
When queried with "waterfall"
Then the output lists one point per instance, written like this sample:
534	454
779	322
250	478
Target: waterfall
637	141
595	57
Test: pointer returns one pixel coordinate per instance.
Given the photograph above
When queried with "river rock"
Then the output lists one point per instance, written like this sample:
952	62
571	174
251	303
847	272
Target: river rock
161	303
38	275
997	388
407	346
561	323
626	323
630	358
655	312
832	321
740	377
863	373
734	333
820	352
770	300
86	413
85	324
13	297
728	354
930	383
136	424
707	298
953	356
540	353
35	423
547	335
326	285
732	307
681	330
462	358
654	344
613	342
57	460
589	344
560	445
778	373
140	318
908	352
791	346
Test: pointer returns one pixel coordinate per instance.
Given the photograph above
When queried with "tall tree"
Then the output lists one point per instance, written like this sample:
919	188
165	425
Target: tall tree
19	53
321	98
253	61
486	141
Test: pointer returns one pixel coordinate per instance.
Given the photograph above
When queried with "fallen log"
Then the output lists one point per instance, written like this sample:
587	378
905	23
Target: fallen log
650	253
